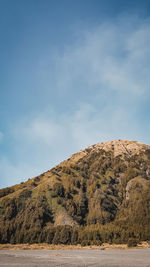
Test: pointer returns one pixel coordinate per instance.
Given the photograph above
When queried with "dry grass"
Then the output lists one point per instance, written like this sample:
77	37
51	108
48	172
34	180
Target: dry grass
45	246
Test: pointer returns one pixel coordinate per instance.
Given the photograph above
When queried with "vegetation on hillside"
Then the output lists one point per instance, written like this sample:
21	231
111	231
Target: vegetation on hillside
91	198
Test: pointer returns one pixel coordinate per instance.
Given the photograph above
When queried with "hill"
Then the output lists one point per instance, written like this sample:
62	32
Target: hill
100	194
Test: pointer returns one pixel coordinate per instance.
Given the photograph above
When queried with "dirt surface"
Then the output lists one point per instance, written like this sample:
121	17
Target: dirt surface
80	258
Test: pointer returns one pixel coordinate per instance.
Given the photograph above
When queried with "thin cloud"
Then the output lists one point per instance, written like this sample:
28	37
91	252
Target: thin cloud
102	81
112	57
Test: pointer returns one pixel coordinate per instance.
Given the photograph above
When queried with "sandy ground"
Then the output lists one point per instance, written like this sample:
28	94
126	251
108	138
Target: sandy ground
76	257
104	246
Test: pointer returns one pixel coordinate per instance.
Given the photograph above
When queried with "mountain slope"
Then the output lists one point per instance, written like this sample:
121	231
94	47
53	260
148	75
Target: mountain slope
105	186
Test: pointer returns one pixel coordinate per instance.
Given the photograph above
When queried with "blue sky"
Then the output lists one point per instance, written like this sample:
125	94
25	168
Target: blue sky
72	73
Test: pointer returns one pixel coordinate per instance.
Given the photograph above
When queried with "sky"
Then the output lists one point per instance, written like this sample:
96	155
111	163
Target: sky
72	73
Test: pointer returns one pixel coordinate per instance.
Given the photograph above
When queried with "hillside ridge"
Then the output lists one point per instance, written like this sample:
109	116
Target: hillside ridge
119	147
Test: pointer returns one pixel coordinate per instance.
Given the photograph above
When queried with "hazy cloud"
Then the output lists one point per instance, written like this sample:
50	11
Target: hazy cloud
114	57
104	79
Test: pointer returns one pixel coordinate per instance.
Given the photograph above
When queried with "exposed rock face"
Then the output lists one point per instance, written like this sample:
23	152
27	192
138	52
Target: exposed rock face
137	184
117	147
62	218
106	182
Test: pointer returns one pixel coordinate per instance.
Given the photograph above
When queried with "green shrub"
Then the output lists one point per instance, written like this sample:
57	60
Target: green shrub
132	242
59	189
85	243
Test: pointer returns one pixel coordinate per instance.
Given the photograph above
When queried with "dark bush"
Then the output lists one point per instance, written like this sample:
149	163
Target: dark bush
59	189
132	242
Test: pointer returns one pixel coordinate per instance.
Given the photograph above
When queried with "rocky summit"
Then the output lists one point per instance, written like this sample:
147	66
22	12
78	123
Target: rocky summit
100	194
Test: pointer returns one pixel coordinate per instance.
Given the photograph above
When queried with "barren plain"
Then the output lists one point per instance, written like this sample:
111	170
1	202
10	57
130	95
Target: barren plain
76	257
